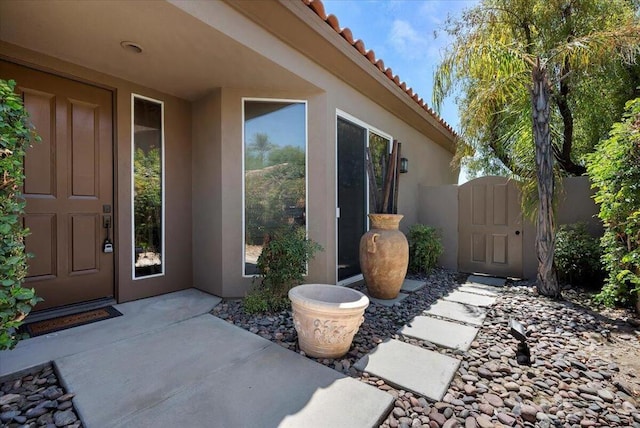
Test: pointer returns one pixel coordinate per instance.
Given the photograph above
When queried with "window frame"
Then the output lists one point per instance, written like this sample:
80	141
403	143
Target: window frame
306	168
162	272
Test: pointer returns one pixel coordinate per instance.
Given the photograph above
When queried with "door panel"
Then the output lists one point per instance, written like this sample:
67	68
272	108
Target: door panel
68	179
490	227
352	197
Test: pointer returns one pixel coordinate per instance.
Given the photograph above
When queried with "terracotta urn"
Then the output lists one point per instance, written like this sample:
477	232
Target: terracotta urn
384	256
326	317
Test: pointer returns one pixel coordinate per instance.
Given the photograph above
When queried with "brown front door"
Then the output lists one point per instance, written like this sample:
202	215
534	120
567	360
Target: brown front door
490	227
68	187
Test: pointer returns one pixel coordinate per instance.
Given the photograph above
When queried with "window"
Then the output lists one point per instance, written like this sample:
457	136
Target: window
148	187
275	185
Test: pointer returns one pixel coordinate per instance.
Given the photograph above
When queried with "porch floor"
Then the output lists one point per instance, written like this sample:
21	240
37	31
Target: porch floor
168	362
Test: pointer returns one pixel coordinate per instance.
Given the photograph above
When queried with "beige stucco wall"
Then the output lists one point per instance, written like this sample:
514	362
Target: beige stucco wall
438	207
178	272
428	162
204	156
575	204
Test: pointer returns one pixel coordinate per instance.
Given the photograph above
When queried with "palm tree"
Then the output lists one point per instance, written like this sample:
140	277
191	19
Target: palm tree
262	145
491	65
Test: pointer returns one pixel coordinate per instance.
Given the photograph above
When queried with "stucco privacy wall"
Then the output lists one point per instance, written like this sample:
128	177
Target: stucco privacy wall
178	271
438	207
575	204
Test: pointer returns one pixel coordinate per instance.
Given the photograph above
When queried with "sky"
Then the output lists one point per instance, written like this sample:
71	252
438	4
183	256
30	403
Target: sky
401	33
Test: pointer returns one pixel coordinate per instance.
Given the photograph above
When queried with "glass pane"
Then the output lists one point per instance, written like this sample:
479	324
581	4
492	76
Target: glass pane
351	196
274	176
379	147
147	187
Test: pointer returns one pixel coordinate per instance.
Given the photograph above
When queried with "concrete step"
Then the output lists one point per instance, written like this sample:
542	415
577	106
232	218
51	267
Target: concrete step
411	368
466	313
440	332
470	298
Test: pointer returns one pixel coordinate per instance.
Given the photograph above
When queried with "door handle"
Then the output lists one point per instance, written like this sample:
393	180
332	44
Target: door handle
517	232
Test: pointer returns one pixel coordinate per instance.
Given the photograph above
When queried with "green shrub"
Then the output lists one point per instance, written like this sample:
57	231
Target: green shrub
614	169
577	256
424	248
15	136
282	265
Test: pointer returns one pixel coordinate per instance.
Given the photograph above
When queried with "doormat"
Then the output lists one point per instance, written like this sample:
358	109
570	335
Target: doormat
40	328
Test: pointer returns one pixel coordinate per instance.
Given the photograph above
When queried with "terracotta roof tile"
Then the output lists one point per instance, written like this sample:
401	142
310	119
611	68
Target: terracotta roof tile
333	21
348	36
318	7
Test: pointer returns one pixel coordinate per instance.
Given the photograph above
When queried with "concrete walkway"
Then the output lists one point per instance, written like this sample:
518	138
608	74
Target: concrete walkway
452	322
167	362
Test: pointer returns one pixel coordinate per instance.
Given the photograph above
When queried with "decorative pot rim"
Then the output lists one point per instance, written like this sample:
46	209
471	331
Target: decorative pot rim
385	221
311	295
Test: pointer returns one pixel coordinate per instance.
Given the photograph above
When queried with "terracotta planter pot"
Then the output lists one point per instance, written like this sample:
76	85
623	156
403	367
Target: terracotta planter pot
326	318
384	256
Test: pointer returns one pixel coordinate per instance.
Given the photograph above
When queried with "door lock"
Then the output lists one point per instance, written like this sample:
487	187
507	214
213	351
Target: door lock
107	245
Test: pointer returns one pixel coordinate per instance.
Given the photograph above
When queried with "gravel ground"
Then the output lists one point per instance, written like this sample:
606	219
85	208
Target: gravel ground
585	371
579	375
36	399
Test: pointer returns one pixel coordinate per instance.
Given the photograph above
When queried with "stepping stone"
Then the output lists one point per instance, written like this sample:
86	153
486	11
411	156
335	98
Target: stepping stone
440	332
485	290
411	368
387	302
411	285
458	312
487	280
470	298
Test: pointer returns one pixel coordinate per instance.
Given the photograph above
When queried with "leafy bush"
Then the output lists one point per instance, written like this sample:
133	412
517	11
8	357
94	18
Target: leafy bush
577	256
15	135
425	247
614	169
283	264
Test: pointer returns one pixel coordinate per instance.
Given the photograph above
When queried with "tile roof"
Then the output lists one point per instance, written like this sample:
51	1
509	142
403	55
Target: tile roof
318	7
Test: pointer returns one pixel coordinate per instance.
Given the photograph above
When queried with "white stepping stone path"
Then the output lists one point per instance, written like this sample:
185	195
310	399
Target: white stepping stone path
410	367
458	312
470	298
485	290
440	332
421	370
487	280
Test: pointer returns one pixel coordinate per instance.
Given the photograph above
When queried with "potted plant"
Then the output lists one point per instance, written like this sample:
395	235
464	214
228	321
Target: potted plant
326	317
384	250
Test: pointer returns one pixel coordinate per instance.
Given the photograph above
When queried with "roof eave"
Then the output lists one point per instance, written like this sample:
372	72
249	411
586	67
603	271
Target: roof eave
322	40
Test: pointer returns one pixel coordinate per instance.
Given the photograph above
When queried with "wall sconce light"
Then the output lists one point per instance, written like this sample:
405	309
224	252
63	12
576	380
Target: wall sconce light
404	165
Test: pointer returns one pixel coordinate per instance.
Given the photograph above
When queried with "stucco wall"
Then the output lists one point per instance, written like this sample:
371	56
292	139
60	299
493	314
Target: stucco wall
575	204
438	207
204	175
177	255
